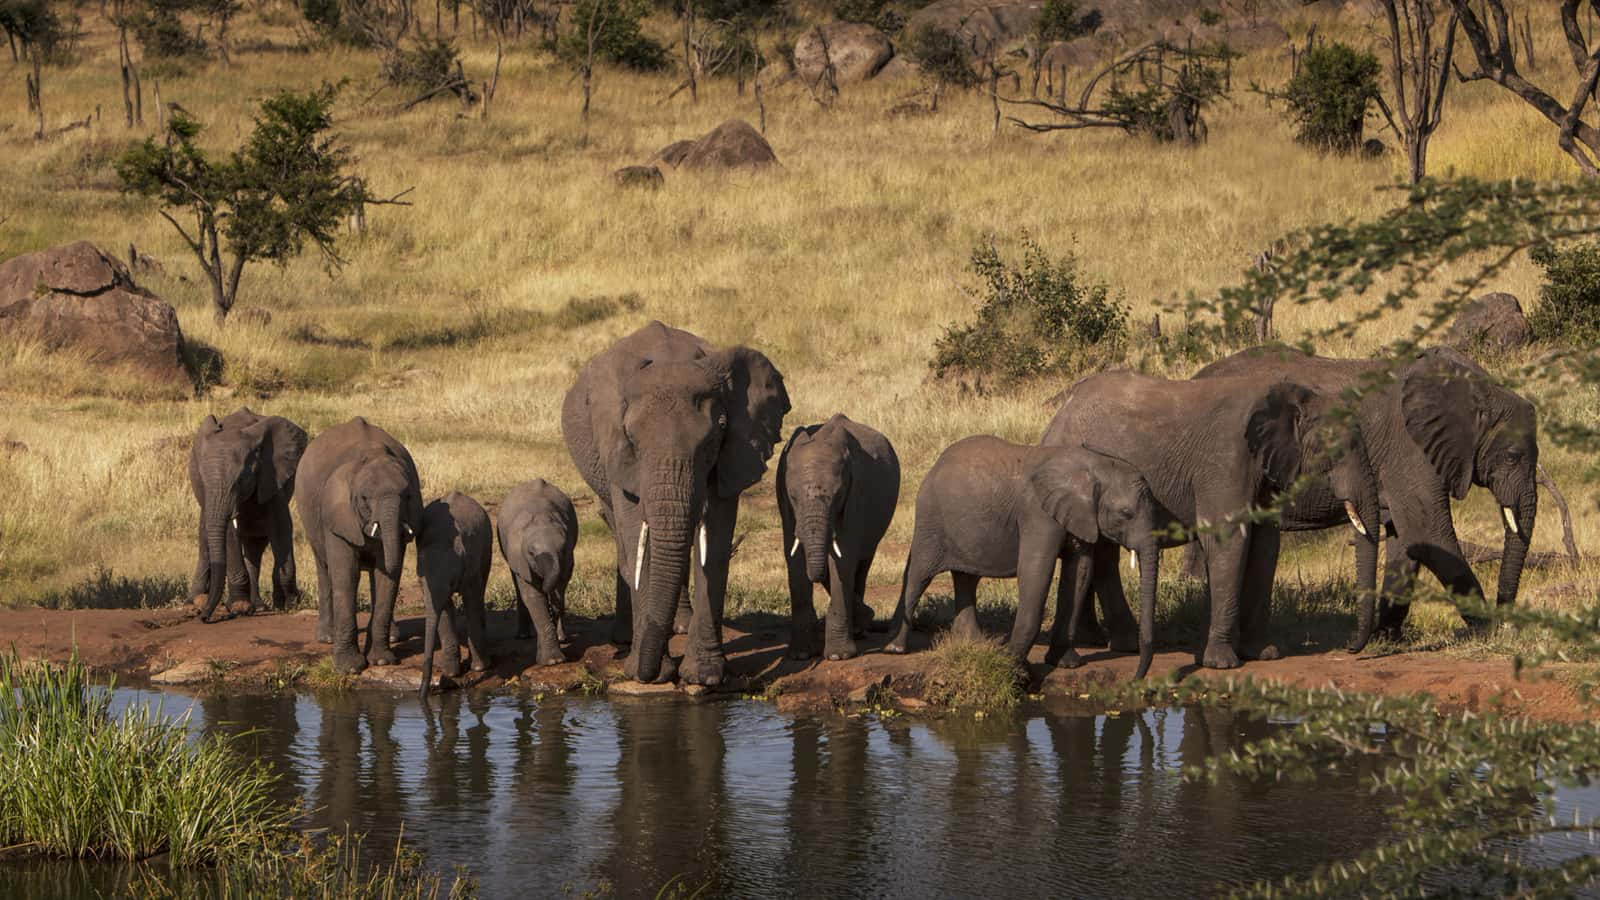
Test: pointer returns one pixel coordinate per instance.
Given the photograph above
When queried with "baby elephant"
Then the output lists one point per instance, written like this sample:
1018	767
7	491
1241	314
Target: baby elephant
538	531
838	483
454	552
993	509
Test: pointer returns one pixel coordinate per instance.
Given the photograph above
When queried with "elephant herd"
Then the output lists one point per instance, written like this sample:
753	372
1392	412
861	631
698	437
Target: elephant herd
668	430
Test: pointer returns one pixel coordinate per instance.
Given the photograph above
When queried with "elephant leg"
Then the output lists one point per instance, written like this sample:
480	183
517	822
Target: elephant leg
1399	580
1225	558
802	611
477	635
1077	572
1255	599
1194	562
439	613
839	632
1086	627
965	625
285	583
1036	566
921	566
379	630
241	585
681	619
544	626
524	621
326	607
1119	621
861	615
703	662
252	548
344	581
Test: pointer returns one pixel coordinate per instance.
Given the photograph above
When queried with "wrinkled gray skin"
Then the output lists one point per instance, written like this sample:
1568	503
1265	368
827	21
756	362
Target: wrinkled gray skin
838	483
455	548
1209	451
538	531
242	472
993	509
360	502
1438	427
668	430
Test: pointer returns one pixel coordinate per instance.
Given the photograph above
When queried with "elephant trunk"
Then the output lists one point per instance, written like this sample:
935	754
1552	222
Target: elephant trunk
548	568
815	538
1366	590
218	510
389	533
1149	562
668	514
1515	552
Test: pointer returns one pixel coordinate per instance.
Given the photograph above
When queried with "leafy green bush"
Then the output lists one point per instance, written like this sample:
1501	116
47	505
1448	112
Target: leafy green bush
620	40
429	63
1042	318
1328	98
163	35
1569	299
941	56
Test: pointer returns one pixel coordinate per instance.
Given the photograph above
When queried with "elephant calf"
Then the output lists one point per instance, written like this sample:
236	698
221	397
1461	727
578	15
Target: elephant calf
993	509
453	557
838	483
538	532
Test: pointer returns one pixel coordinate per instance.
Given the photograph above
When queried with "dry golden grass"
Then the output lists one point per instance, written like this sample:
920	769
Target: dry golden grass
844	266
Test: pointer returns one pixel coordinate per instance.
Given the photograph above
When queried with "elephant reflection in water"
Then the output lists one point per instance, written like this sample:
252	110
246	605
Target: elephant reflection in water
358	782
458	777
671	817
832	810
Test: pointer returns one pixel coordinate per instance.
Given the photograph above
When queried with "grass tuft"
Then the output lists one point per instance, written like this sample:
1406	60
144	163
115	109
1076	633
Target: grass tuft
975	675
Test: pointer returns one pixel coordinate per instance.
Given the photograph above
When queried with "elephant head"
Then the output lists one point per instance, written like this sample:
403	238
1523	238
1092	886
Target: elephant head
817	466
243	458
689	430
375	498
1097	496
1474	431
1294	432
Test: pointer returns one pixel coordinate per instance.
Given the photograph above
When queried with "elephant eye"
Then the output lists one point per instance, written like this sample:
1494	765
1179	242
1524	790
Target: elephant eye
1127	512
1514	455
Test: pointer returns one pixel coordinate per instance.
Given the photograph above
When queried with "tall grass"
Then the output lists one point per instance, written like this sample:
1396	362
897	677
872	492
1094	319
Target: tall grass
77	782
973	675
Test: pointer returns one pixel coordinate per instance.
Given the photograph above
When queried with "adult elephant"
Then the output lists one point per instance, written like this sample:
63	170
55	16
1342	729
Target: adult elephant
1210	451
242	472
668	430
360	501
1435	428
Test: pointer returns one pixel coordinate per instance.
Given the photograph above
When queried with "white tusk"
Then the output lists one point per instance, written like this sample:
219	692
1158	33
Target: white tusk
836	551
702	545
409	532
235	523
794	548
1350	510
1133	561
1511	520
372	530
638	557
1244	530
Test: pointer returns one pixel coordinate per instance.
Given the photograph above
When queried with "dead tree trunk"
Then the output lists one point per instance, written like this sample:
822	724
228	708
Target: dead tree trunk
1420	73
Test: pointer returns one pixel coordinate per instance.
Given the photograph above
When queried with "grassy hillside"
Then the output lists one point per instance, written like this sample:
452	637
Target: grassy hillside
460	321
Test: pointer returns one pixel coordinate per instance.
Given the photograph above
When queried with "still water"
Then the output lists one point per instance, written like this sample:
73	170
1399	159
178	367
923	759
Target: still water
561	796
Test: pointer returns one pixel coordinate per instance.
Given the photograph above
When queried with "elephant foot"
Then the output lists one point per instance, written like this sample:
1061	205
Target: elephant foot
349	662
199	601
240	607
667	673
1265	652
561	632
324	633
837	650
480	665
898	645
680	621
385	657
861	621
450	664
801	651
1219	656
1069	659
705	669
551	655
1124	643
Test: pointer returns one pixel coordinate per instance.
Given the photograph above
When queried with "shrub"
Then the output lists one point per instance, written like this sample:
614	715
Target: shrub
430	63
1569	299
1059	21
977	675
1042	318
1328	97
163	35
621	39
864	11
941	56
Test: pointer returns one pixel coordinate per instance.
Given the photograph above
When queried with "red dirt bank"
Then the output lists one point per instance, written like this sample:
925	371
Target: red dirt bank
171	645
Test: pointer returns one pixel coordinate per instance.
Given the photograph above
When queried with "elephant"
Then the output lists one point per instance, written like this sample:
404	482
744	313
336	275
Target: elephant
1434	426
360	502
990	508
538	532
838	483
242	472
668	430
1211	451
455	548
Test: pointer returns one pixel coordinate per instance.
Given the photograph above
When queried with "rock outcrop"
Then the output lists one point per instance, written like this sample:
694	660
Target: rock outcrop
732	145
1493	322
857	52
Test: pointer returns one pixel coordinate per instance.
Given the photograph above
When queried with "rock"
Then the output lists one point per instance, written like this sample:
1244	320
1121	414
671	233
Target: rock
901	66
639	689
870	692
1373	148
389	677
1494	321
76	296
857	51
646	177
191	671
1078	53
1240	37
982	25
253	315
732	145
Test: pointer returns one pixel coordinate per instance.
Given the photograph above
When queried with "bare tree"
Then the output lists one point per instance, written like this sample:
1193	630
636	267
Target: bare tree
1491	31
1172	87
132	91
1419	68
592	31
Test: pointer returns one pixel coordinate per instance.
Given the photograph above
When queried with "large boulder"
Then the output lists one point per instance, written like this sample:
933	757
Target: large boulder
1493	322
732	145
857	52
76	296
981	24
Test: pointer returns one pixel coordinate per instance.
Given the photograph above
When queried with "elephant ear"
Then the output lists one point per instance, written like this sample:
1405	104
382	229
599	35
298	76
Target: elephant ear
1440	403
1070	493
339	506
1274	430
608	409
756	405
285	442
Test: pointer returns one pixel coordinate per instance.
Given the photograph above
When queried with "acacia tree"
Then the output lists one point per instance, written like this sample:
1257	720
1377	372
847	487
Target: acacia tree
1419	70
285	186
